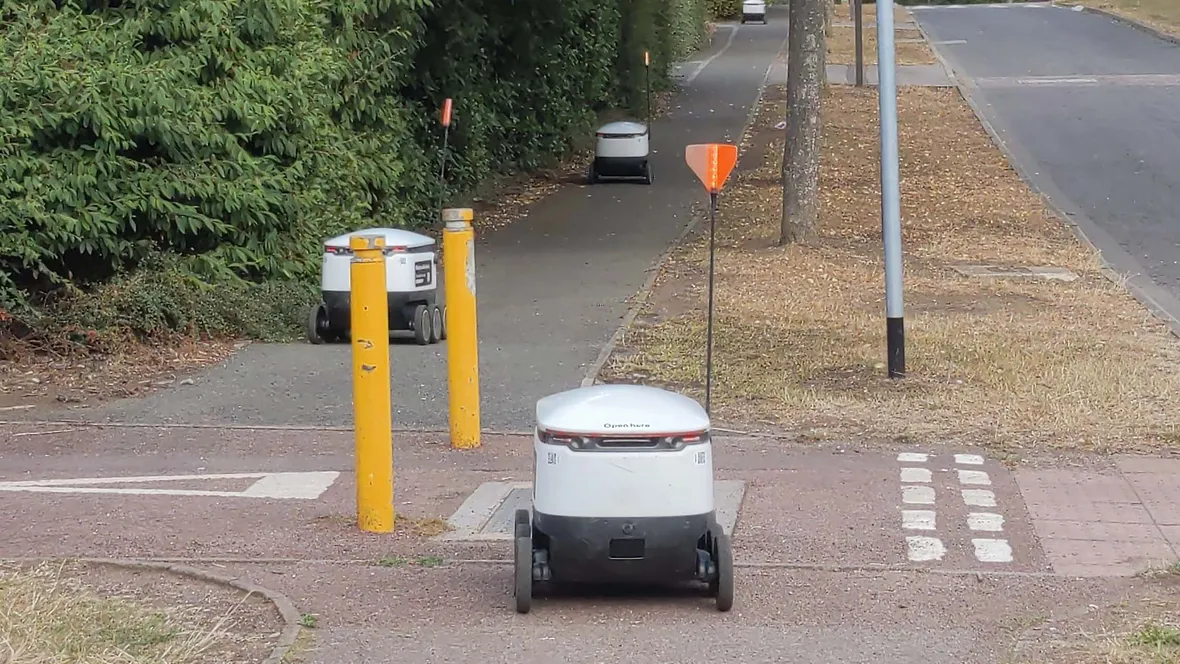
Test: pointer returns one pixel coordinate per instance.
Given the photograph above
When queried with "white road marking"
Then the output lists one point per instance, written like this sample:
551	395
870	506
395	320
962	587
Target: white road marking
976	477
916	475
992	550
917	495
733	30
979	498
950	42
921	548
917	519
912	457
296	486
969	459
985	521
1056	81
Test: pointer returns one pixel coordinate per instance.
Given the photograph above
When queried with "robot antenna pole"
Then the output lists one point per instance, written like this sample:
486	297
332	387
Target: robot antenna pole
709	323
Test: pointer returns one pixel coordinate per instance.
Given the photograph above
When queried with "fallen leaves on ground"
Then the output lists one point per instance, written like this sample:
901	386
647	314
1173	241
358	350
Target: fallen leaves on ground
800	330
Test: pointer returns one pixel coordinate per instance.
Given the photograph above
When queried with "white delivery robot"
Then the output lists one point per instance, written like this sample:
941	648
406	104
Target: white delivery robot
622	491
754	10
621	151
411	282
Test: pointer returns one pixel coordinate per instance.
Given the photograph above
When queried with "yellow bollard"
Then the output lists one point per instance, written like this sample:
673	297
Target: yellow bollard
462	341
369	306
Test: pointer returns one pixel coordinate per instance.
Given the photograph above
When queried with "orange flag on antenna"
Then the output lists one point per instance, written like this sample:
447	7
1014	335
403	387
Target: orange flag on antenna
446	112
712	163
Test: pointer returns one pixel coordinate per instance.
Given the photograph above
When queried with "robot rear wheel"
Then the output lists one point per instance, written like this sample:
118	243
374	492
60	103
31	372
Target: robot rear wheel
523	562
721	585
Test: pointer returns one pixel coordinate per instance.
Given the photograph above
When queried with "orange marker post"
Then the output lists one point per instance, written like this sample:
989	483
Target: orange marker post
444	118
712	163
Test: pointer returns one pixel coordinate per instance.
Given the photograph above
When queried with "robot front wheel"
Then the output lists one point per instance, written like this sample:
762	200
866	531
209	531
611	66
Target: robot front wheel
721	583
522	559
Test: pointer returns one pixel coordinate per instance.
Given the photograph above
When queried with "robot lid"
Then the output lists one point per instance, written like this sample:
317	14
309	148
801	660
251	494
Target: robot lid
394	237
622	129
620	410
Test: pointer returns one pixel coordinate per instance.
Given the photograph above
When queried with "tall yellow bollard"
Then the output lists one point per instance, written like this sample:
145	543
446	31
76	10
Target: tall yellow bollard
462	340
370	384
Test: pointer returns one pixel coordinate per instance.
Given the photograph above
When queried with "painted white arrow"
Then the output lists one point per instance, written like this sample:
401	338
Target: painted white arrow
297	486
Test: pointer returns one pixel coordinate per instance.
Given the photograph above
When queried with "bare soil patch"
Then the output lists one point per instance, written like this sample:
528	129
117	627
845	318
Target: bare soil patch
1011	363
72	612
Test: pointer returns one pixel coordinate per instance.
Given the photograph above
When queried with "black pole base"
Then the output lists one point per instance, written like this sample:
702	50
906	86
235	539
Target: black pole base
895	338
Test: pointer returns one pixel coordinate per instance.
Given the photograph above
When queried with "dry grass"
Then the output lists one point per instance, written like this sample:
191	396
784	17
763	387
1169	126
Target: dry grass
1161	14
800	331
1143	629
50	617
842	47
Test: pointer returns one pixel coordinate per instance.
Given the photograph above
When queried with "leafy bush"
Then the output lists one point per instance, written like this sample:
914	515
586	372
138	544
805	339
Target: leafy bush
725	9
234	135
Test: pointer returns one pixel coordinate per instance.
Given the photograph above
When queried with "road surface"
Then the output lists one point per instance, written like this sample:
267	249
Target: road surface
1087	107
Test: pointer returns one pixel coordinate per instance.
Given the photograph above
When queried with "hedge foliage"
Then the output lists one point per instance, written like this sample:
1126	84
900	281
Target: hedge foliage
236	135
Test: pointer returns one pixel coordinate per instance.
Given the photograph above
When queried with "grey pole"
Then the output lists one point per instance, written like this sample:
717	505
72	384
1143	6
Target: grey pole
858	21
890	190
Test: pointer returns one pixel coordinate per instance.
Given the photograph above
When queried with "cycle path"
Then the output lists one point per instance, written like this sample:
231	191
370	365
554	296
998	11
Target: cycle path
553	286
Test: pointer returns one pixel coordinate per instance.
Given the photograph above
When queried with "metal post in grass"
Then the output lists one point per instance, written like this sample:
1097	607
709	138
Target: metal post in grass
858	22
890	190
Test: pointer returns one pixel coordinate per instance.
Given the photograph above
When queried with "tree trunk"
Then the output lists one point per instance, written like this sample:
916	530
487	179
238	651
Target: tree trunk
829	16
806	57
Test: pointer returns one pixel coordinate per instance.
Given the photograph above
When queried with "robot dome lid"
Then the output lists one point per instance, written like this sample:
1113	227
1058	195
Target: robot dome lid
622	410
394	237
622	128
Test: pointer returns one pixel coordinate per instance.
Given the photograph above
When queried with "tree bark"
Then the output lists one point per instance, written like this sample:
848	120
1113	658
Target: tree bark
806	57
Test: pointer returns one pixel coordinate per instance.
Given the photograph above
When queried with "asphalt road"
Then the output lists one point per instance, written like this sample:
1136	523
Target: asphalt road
552	287
1088	109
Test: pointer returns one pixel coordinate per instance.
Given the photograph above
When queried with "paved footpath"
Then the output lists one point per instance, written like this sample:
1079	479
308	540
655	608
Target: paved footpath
1086	106
845	554
553	286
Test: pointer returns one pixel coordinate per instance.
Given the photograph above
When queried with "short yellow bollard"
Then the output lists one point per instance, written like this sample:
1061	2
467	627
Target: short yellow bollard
462	340
370	384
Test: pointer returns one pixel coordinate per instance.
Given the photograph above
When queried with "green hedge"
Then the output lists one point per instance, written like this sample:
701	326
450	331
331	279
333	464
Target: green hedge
236	134
725	9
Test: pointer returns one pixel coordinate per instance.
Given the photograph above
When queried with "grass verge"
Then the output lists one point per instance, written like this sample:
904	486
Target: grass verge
800	330
842	47
1163	15
1144	628
50	615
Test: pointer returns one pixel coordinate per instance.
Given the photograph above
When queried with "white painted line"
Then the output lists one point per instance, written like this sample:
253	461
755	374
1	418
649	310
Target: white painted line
985	521
8	408
921	548
917	495
992	550
969	459
1055	81
950	42
979	498
917	519
912	457
916	475
733	30
976	477
288	486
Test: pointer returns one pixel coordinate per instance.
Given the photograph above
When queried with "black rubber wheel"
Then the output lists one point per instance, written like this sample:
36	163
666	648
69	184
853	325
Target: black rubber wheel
436	324
422	319
592	175
522	559
317	323
647	176
442	330
722	585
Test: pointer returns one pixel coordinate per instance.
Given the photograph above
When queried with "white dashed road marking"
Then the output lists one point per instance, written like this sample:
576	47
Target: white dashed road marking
968	460
977	477
917	495
918	519
920	475
922	549
985	521
979	498
992	550
912	457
